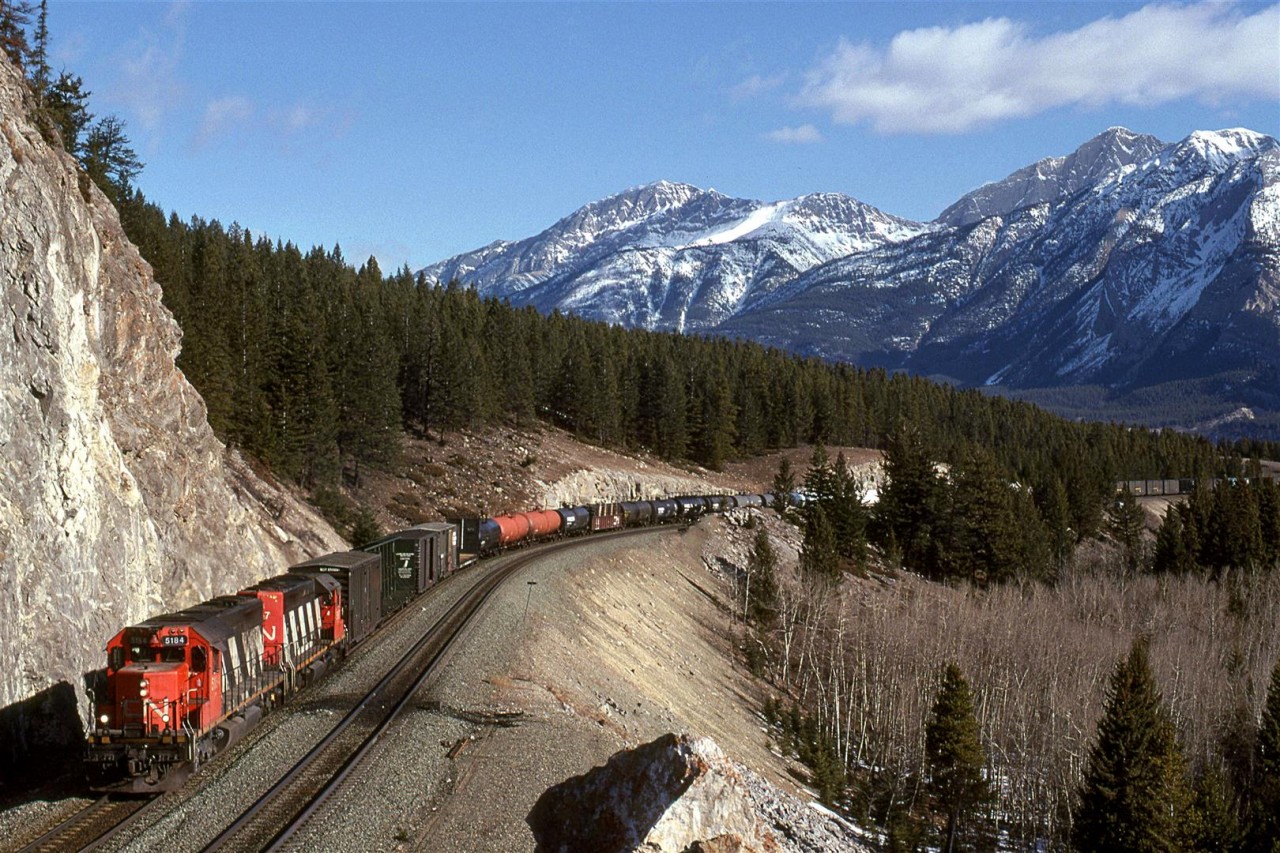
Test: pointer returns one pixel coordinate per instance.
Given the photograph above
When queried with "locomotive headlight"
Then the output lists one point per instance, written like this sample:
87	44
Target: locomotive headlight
143	683
104	719
142	692
164	718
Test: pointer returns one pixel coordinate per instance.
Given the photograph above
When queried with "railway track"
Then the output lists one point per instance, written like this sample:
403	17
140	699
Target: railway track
91	827
271	822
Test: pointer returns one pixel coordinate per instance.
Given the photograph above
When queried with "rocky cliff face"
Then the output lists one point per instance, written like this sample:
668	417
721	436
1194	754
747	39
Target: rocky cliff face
116	499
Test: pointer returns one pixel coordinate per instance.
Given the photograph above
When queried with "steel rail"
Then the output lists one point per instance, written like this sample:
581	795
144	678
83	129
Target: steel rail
425	654
91	826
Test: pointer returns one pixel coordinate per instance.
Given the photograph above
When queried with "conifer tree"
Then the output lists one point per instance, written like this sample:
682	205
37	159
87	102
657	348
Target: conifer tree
762	583
960	794
1055	512
1212	825
1171	555
1264	810
909	514
15	15
784	483
1124	523
849	513
819	557
40	53
109	158
1134	796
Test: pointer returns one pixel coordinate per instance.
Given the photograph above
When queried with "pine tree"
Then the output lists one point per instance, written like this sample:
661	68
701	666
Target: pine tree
960	794
784	483
40	53
1171	555
1124	523
909	514
1212	826
1134	796
1055	512
15	15
110	159
1264	809
762	583
819	558
66	103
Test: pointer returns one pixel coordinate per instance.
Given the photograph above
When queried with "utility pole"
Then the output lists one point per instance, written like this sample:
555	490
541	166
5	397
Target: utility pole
532	584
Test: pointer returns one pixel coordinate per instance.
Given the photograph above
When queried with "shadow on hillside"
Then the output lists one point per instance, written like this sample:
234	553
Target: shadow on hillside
41	741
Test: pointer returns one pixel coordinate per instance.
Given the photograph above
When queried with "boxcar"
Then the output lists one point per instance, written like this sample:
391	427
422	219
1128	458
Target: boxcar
406	566
443	552
359	574
606	516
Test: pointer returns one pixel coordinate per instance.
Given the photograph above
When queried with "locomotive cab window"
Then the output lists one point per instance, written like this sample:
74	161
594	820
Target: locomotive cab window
173	654
199	660
117	658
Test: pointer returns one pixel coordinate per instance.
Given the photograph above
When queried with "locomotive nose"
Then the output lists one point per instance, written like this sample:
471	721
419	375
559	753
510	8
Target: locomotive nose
158	688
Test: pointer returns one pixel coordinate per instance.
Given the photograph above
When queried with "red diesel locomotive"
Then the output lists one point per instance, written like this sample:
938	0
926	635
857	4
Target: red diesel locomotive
184	686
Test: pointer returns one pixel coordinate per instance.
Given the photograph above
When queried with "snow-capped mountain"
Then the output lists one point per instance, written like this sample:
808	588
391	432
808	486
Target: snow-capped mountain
672	256
1128	263
1054	177
1161	268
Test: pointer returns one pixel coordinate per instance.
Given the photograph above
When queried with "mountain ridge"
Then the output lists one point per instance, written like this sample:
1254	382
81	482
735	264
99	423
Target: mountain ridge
1127	262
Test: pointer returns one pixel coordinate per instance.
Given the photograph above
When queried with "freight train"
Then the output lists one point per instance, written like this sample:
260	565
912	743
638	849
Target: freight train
181	687
1180	486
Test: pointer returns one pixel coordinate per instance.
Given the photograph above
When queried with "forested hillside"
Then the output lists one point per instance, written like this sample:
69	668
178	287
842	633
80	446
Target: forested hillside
314	365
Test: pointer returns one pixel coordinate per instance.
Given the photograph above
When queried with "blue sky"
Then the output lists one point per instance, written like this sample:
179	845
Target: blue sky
415	131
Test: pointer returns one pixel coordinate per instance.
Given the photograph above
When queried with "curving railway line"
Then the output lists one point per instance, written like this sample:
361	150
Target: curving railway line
271	822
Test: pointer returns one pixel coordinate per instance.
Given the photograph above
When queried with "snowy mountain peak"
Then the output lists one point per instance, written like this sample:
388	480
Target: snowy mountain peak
671	255
1221	148
1054	178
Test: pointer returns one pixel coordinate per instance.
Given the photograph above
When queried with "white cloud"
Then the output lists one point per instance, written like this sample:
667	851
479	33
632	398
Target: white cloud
805	133
296	118
953	79
223	116
757	85
149	81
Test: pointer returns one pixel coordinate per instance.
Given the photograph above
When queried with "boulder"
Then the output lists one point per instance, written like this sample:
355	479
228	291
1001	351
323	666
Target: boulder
676	794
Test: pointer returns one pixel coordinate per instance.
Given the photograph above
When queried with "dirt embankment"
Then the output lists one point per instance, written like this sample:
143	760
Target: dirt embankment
493	471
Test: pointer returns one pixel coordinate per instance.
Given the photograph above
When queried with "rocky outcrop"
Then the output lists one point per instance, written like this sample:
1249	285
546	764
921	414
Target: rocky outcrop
680	794
116	499
600	485
664	796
